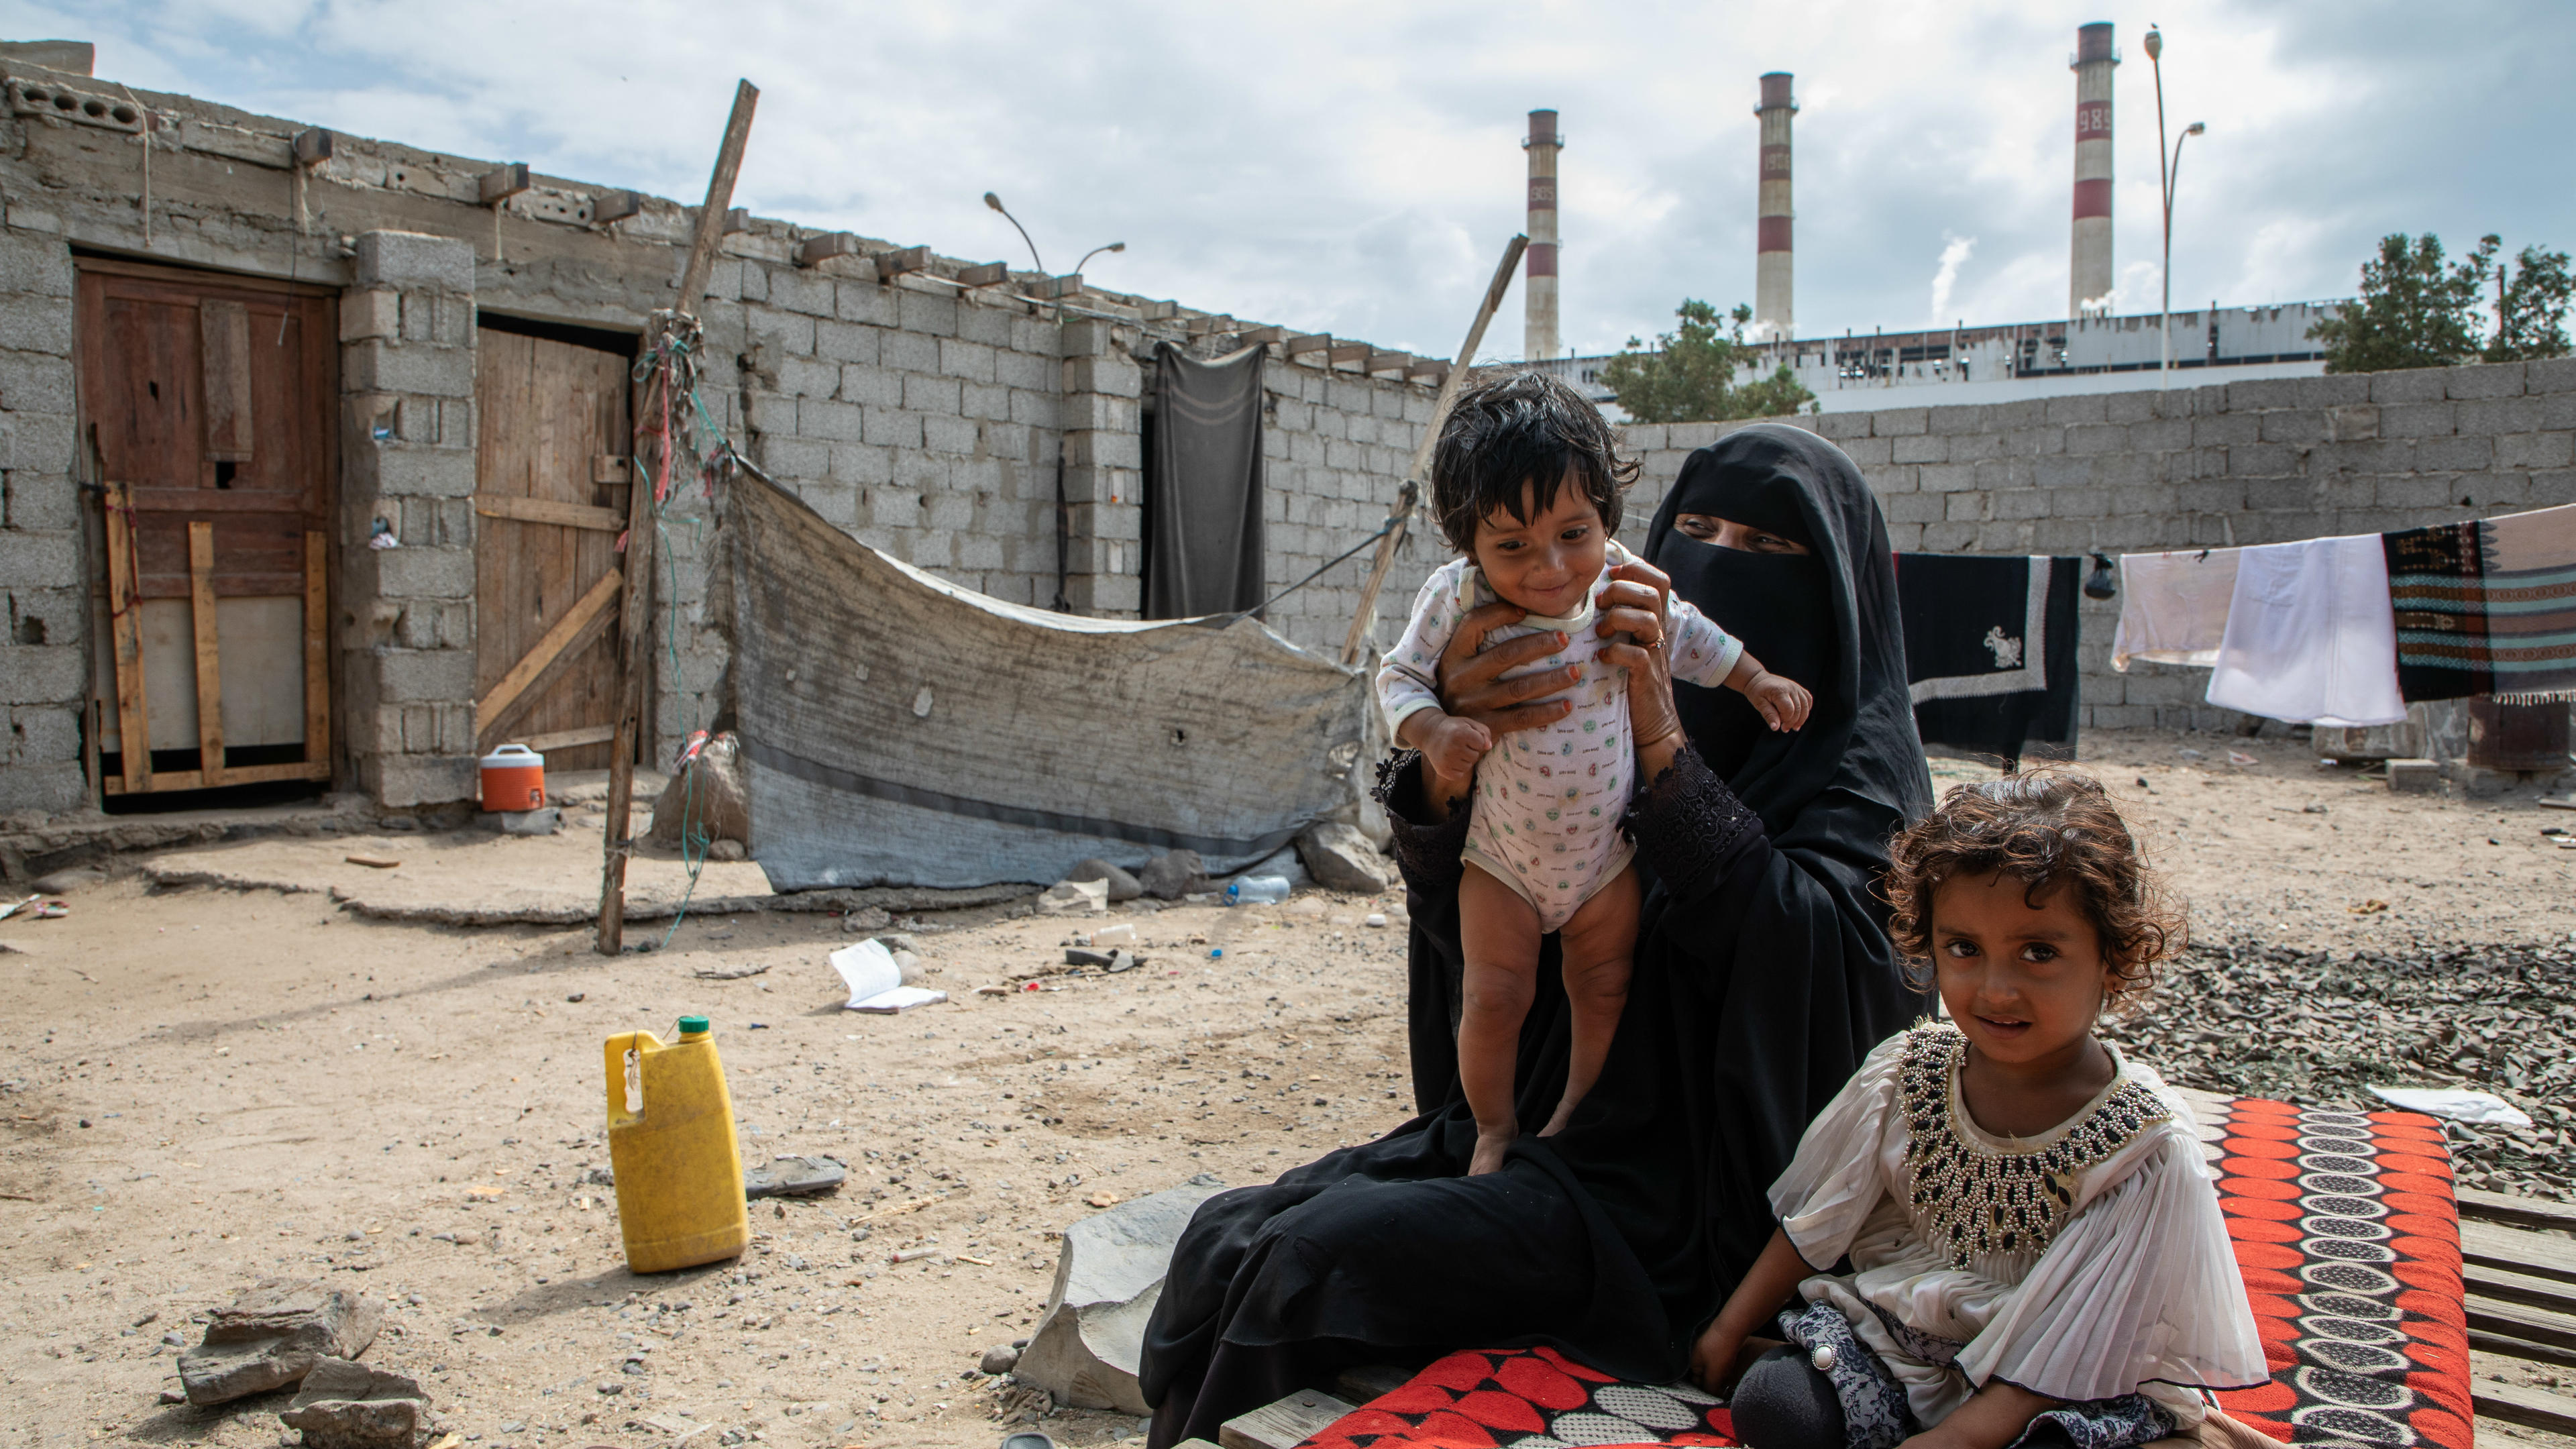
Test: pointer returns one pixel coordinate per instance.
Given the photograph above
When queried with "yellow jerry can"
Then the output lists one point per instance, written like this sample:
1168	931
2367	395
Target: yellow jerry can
671	1144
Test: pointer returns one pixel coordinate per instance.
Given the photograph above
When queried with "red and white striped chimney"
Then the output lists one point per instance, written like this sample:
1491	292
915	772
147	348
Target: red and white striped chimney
1772	272
2089	278
1538	295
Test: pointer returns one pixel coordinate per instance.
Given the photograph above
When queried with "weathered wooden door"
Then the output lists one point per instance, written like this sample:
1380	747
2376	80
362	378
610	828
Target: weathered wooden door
209	404
551	436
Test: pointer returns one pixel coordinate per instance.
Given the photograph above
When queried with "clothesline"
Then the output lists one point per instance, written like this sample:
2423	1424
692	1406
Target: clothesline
2350	630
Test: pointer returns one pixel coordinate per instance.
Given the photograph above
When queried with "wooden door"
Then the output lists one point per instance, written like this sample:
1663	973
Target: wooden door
210	403
551	436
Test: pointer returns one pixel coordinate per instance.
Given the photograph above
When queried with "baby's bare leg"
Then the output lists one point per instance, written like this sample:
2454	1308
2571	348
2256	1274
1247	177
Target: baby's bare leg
1597	943
1498	933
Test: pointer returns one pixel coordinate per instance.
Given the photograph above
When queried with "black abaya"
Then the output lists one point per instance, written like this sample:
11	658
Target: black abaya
1763	974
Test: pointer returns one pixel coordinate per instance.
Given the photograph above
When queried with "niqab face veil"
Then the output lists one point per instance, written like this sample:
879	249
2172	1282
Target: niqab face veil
1826	619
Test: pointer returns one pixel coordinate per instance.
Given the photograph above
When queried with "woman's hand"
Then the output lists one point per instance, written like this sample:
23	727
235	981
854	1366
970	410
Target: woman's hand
1472	688
1713	1358
1638	605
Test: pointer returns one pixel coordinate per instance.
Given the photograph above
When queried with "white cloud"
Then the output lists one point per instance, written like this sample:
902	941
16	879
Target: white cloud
1353	168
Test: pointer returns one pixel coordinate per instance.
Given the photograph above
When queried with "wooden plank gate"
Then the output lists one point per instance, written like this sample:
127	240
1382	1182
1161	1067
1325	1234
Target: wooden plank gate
208	403
553	404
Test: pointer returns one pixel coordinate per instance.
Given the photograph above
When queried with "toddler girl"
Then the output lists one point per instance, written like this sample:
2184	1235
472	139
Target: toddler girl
2035	1247
1526	483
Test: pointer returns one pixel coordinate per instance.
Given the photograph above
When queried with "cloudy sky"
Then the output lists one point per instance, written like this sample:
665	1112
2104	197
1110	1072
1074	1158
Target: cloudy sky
1355	168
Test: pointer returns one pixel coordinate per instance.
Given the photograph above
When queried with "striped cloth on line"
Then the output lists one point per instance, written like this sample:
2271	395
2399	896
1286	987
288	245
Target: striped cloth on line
2486	607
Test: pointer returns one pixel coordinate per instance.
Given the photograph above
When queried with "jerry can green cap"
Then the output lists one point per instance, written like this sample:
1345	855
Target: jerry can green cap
693	1026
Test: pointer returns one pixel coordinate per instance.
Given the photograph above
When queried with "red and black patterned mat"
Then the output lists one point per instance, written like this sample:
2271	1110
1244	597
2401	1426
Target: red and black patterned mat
2345	1230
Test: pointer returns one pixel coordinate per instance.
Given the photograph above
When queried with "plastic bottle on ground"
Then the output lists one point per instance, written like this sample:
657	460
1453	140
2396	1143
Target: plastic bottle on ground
1256	890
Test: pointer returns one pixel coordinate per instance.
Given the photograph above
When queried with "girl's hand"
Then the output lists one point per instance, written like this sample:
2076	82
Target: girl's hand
1713	1358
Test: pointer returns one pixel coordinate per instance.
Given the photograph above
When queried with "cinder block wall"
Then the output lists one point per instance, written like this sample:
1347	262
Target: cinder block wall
2241	463
44	662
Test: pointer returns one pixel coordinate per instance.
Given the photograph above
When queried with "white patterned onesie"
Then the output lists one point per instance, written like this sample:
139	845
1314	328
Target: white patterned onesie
1548	800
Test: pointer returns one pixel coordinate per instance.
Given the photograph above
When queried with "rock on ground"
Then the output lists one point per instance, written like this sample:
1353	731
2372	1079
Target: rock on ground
343	1405
1174	874
1074	897
1341	859
272	1334
1122	886
1108	1277
709	795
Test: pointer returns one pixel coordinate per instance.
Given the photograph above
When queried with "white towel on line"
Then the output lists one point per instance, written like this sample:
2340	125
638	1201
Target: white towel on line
2311	636
2173	606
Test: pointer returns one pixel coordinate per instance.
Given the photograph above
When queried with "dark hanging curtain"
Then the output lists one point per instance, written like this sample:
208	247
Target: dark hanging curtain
1954	606
1203	485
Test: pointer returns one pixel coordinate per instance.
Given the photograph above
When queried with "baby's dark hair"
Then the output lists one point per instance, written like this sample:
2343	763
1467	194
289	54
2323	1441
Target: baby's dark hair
2047	828
1522	430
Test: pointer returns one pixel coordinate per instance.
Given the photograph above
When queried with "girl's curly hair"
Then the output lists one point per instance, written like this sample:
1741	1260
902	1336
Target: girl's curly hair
2046	828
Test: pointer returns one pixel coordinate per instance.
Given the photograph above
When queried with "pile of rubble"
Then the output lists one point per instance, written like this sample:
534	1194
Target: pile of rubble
2322	1029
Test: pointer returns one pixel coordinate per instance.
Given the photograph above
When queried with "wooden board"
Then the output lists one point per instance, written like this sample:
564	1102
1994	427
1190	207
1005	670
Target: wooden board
2496	1343
567	739
1285	1424
236	775
2529	1407
2518	1250
223	329
2518	1212
2515	1320
317	652
210	670
124	604
548	410
547	510
2516	1287
587	620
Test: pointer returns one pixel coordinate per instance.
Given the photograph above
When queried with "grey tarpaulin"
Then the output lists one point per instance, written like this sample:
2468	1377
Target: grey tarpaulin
900	730
1203	485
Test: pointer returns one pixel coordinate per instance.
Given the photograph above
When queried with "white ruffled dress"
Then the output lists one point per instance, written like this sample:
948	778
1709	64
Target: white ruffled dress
2138	1292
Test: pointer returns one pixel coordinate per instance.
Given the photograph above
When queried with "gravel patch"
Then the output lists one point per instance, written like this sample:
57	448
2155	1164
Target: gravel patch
2320	1028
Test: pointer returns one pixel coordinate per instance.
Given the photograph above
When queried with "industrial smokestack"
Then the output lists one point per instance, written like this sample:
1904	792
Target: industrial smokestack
2089	279
1772	275
1538	328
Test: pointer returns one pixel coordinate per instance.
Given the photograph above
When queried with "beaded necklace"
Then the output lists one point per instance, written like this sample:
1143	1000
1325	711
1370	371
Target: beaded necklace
1972	1199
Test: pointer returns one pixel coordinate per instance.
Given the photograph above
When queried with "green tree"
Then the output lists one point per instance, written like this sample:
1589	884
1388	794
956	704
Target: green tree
1690	374
2531	309
2419	309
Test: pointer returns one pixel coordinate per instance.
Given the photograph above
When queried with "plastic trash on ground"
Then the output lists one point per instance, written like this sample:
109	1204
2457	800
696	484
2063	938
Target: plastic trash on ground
875	980
1258	890
2454	1103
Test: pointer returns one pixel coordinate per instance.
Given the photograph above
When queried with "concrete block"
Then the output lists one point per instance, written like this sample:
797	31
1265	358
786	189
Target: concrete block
403	781
1113	376
2555	374
863	299
922	313
2455	455
836	341
833	421
2084	439
948	434
38	266
424	472
2262	393
983	322
37	323
433	371
863	464
36	382
808	376
925	393
425	573
2414	776
782	333
908	351
1971	507
406	260
1919	448
892	427
41	673
2493	415
425	675
786	457
2079	408
871	386
2290	425
1945	477
984	401
2552	488
373	313
799	290
2411	385
2492	379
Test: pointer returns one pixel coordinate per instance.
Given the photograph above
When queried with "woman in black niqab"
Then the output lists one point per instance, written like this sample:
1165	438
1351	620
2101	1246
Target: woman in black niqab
1763	975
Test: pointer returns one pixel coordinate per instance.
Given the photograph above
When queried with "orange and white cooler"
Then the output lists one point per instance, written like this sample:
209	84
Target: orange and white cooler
514	778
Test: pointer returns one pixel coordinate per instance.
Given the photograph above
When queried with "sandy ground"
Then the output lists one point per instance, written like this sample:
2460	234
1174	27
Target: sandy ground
213	1084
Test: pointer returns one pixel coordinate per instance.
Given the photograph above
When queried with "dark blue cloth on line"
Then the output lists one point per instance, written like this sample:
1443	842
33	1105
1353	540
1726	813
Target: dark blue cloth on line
1977	682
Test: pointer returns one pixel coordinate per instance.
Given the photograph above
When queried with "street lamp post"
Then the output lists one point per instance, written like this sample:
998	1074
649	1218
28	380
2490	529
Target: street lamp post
1117	246
2168	173
995	202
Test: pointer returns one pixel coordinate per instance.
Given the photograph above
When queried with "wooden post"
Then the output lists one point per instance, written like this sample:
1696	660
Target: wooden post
125	606
210	672
635	615
1417	479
